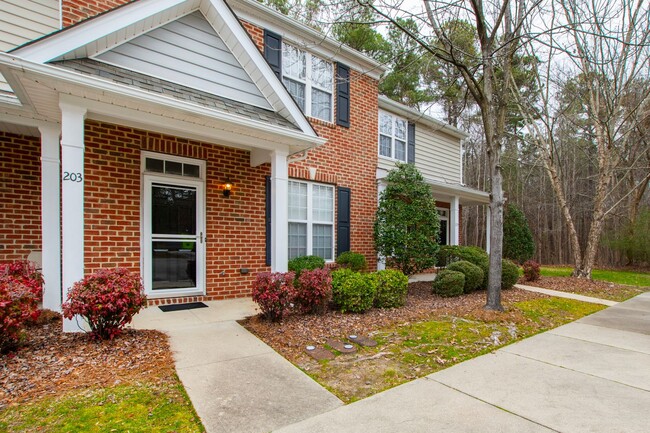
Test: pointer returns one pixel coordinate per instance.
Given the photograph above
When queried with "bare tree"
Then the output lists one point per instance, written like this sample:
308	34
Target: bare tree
499	27
602	48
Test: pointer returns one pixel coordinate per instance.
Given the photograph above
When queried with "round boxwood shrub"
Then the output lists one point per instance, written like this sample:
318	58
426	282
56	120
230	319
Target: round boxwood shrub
392	287
509	274
353	292
108	299
449	283
309	263
354	261
475	255
473	274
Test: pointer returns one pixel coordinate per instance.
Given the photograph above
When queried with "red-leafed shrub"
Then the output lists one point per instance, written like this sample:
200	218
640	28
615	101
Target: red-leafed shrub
18	304
531	270
25	272
108	299
314	291
274	293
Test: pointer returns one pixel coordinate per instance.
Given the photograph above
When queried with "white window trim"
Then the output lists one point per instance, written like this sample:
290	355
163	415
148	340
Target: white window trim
310	218
309	83
392	137
163	156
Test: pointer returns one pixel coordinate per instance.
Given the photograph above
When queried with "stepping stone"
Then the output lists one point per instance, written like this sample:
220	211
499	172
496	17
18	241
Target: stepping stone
362	340
319	353
341	346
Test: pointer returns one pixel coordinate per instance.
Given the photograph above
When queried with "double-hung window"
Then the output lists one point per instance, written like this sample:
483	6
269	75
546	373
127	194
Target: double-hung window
310	80
311	220
392	136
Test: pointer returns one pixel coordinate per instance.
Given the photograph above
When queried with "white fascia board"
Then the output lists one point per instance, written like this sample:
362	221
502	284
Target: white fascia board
474	195
259	63
85	32
304	36
97	85
418	117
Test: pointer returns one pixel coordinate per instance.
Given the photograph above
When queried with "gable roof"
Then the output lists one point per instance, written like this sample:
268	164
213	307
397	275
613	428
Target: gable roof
98	35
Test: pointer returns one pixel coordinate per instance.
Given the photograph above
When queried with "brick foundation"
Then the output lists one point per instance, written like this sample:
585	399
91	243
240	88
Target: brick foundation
20	189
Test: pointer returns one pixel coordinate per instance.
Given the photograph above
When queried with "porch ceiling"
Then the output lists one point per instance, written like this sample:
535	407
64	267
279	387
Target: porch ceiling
40	89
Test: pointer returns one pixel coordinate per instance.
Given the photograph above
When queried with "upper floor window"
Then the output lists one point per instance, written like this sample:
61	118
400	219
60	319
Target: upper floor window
392	136
310	80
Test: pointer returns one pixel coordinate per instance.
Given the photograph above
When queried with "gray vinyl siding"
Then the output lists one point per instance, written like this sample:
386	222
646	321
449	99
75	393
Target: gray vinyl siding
437	155
24	20
188	51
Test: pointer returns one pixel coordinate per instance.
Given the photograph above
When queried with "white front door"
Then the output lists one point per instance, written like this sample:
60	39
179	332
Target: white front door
174	234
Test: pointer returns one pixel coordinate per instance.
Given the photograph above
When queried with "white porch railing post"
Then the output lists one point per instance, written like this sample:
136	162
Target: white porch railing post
279	211
72	158
50	216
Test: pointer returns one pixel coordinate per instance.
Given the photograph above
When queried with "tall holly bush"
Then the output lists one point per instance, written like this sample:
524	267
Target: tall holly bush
406	226
518	243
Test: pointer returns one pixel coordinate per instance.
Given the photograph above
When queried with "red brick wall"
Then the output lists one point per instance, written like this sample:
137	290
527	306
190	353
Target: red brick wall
20	189
234	225
349	158
74	11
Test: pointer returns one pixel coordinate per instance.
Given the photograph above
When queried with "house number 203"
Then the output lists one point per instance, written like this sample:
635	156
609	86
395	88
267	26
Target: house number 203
72	177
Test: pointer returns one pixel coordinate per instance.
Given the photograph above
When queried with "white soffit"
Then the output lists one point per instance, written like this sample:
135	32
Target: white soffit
95	36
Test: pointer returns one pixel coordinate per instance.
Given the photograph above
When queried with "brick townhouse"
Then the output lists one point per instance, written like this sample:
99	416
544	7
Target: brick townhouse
197	142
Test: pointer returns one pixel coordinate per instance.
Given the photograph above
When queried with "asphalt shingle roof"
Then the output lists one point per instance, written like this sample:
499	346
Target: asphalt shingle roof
178	91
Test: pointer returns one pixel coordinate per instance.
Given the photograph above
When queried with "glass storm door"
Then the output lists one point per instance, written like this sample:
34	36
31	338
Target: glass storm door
174	237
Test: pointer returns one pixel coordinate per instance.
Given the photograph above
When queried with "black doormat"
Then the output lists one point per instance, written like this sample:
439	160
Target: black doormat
179	307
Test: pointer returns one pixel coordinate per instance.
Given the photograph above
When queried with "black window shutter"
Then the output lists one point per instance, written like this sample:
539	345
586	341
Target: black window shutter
273	51
342	95
343	221
267	220
410	157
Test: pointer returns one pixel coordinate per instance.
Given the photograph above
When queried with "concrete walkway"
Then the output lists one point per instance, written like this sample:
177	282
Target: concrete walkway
592	375
568	295
235	381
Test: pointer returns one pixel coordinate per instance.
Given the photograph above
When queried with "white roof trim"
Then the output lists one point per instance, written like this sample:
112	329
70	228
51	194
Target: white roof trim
275	133
414	115
298	33
134	19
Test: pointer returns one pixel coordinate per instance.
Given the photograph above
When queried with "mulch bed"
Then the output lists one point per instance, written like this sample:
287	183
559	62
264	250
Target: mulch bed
51	362
294	333
574	285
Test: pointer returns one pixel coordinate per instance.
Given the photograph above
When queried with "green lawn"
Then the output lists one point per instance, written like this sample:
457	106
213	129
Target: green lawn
124	408
411	350
629	278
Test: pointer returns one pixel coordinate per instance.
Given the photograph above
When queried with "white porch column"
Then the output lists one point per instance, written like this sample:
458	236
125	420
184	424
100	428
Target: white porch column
72	156
50	216
488	227
381	260
279	211
454	221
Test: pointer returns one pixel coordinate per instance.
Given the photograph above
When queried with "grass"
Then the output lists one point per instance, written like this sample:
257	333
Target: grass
413	350
125	408
628	278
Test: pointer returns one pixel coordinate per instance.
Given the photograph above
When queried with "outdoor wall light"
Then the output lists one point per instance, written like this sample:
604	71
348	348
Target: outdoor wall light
227	187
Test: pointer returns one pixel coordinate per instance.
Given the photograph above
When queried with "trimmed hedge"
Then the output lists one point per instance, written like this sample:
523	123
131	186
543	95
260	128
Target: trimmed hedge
353	292
449	283
473	274
392	287
509	274
353	261
302	263
475	255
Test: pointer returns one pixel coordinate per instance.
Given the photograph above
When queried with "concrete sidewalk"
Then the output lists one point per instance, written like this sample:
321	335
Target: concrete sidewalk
235	381
592	375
